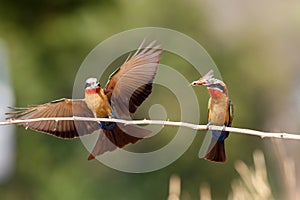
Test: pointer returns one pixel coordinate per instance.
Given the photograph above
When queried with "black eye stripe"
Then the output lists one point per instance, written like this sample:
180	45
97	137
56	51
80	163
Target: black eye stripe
87	85
217	85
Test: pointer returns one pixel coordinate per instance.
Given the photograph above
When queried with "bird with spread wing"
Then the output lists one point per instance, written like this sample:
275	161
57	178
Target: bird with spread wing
124	92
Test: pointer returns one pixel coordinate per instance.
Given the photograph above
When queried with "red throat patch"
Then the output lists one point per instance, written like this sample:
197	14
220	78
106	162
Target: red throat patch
93	91
215	94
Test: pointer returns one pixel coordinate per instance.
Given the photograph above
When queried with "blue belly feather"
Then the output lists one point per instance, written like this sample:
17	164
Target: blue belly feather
109	126
219	135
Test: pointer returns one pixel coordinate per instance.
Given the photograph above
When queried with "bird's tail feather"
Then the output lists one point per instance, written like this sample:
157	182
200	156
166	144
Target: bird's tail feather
216	151
119	136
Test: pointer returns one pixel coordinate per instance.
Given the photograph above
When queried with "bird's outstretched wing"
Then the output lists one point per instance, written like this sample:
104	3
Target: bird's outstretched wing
58	108
131	84
118	137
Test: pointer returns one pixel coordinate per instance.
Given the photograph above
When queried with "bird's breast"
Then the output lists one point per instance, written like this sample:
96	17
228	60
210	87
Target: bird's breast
218	112
98	104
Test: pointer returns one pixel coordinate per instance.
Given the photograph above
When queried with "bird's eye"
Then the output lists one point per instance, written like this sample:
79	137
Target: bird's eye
98	84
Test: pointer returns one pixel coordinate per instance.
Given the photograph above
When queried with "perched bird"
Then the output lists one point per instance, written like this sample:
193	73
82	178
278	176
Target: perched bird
220	112
124	92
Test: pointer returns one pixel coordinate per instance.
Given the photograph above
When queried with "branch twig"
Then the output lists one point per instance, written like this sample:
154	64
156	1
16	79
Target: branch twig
164	123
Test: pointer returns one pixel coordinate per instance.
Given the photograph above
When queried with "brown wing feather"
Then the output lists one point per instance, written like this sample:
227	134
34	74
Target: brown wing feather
131	84
59	108
109	140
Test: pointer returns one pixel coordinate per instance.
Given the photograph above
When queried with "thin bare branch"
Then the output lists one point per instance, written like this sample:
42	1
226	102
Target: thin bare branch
163	123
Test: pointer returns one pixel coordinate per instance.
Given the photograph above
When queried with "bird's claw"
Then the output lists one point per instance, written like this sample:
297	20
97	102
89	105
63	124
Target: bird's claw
207	126
223	128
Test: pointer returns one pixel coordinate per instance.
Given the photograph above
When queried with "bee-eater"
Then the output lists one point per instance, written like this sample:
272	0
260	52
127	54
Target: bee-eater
220	112
125	90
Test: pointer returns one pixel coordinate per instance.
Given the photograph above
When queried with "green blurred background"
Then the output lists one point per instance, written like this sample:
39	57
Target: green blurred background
254	44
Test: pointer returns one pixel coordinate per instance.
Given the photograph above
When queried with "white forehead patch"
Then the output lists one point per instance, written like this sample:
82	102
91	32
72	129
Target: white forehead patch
91	80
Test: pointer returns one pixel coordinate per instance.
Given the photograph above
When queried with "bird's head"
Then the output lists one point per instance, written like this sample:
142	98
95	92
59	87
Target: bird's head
92	85
212	84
